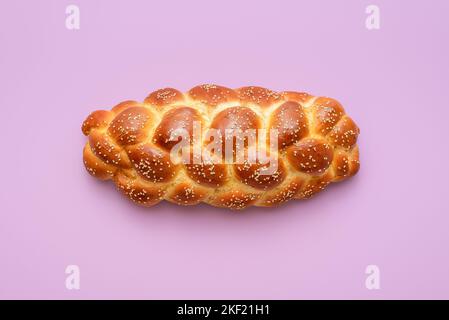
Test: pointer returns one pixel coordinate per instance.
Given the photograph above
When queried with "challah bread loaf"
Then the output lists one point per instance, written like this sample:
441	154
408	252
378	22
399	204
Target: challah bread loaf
131	145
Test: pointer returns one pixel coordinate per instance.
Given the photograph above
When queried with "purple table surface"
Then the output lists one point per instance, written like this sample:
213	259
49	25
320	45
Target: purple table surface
394	214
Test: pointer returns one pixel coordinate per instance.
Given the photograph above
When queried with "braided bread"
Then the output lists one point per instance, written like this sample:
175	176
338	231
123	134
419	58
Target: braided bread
131	145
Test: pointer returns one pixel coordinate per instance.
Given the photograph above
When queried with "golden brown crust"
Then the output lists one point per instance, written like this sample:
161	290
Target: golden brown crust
138	191
314	185
291	122
310	156
125	105
284	193
235	199
344	133
179	118
326	112
187	194
164	97
210	175
95	166
130	126
106	150
257	95
253	175
300	97
130	144
239	118
152	164
97	119
212	95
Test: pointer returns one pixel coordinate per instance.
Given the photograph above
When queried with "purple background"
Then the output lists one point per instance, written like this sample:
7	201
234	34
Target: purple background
394	213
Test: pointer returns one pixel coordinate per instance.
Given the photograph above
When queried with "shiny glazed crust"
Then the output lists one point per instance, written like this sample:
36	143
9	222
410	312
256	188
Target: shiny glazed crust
130	145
